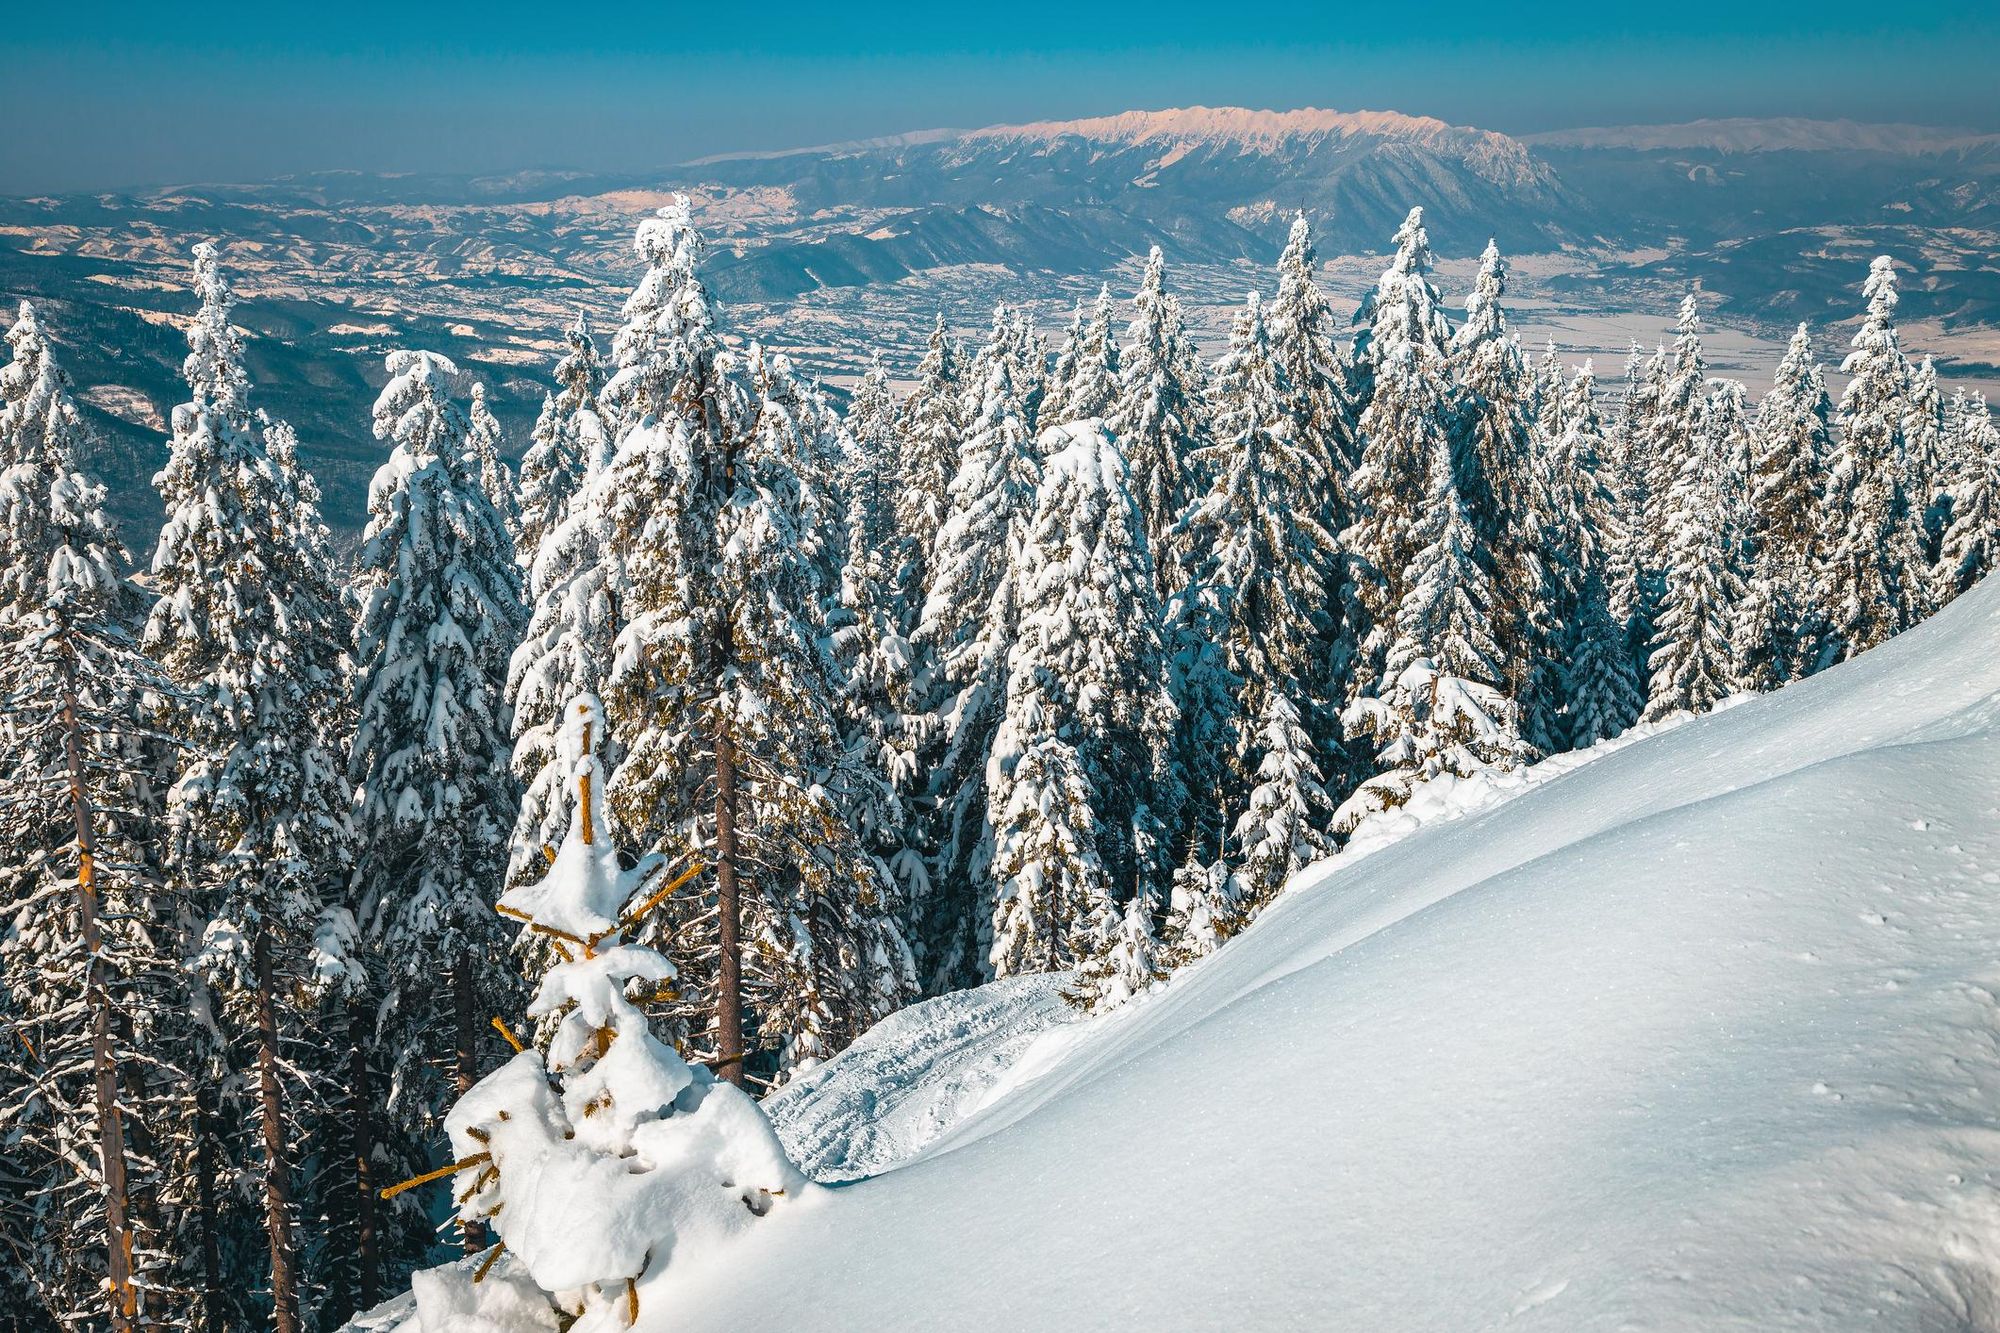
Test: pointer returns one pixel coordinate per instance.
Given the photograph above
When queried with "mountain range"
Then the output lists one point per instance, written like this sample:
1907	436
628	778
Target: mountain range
835	250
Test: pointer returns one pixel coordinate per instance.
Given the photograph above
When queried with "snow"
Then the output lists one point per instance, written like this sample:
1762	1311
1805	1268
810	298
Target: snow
914	1076
1696	1035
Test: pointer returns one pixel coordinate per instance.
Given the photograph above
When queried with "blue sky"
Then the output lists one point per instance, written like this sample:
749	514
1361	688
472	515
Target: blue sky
99	95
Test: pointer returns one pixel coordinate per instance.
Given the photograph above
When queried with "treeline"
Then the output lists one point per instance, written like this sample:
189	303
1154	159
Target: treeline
1055	662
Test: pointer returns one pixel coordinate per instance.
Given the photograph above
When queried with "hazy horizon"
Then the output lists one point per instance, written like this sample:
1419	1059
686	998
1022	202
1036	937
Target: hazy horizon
123	95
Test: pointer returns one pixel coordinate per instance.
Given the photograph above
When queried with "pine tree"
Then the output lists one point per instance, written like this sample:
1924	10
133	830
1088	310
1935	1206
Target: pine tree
1083	384
1628	484
90	956
594	1158
1408	421
1257	596
1495	465
568	441
1971	545
1126	965
1873	553
1439	706
486	441
257	820
1926	470
932	424
1079	766
1305	342
1793	441
1582	527
721	693
1158	419
966	627
440	615
1695	662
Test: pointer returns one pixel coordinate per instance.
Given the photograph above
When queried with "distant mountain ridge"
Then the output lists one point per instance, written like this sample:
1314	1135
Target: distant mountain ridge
1210	183
1775	134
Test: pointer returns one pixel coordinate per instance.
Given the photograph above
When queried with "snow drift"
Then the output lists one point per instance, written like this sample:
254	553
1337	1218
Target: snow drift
1703	1034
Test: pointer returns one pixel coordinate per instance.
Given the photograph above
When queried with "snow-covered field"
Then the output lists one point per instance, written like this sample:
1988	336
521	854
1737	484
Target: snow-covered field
1703	1034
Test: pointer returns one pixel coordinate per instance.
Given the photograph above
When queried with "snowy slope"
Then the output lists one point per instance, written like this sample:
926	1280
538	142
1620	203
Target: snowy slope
1701	1035
914	1076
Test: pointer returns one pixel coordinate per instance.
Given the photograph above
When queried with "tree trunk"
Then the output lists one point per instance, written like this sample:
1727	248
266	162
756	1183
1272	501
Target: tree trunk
367	1264
122	1298
729	966
277	1184
467	1030
204	1189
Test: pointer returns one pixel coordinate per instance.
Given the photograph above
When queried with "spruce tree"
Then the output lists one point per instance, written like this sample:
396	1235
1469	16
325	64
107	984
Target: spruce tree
931	427
1971	545
1873	558
1582	527
1257	596
1305	342
88	1086
1439	706
1695	661
1793	440
1083	384
568	441
487	441
440	616
721	692
1082	788
1409	419
965	630
1495	464
258	826
1158	418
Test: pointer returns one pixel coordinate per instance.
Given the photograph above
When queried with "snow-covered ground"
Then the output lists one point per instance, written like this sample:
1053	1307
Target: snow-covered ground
914	1076
1704	1034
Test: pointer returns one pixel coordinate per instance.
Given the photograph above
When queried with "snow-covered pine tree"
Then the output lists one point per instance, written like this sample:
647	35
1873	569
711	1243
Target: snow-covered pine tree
1675	398
1305	342
1695	661
568	441
721	695
1158	417
486	441
1083	792
1083	384
87	1082
1409	418
607	1156
1439	706
1257	603
1495	462
440	615
1971	545
874	659
1793	440
1028	356
1600	691
1874	585
258	828
932	424
1926	468
1127	963
966	627
1627	481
